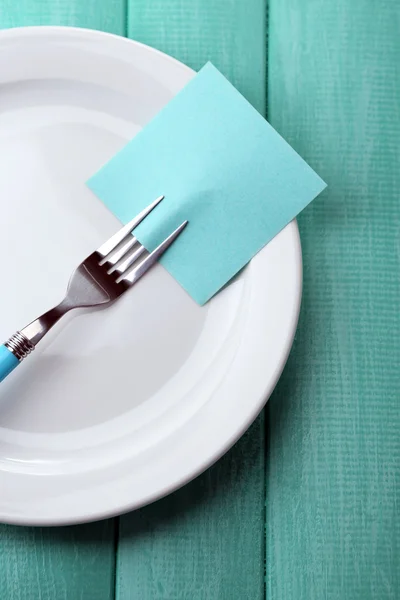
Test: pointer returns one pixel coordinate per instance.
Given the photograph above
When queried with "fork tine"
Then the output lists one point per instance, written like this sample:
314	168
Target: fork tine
135	274
117	238
130	259
116	255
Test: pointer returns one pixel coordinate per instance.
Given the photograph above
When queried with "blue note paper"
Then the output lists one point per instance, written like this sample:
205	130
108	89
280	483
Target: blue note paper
222	167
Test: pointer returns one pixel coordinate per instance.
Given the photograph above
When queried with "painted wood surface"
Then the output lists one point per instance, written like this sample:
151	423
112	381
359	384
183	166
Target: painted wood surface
333	455
106	15
229	33
333	462
64	563
206	542
75	563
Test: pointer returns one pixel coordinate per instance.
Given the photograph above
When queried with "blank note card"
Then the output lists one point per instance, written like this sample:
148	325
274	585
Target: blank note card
222	167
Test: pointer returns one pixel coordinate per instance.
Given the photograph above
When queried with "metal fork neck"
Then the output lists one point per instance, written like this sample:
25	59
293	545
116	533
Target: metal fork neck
36	330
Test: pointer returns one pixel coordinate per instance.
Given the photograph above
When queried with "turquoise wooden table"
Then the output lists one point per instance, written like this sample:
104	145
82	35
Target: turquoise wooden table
306	506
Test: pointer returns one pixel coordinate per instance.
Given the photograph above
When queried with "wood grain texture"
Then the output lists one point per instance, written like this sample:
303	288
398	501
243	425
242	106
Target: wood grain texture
333	463
229	33
66	563
75	563
106	15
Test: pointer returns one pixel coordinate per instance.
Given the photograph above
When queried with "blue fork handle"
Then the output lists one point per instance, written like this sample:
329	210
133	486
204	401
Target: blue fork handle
8	362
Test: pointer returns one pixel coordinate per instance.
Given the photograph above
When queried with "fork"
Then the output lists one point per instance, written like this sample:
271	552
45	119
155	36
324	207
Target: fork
103	277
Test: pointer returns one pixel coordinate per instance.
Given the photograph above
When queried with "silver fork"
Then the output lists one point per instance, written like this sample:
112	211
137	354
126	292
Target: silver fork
103	277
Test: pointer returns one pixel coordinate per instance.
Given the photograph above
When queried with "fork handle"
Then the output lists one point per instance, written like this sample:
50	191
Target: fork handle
8	362
13	352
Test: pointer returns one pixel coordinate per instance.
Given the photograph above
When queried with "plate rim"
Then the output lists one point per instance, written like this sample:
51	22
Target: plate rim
86	34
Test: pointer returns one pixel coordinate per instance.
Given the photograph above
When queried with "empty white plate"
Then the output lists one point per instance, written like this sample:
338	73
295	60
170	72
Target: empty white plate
121	406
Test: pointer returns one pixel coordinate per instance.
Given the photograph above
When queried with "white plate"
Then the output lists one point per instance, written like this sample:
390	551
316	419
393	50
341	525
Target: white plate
122	406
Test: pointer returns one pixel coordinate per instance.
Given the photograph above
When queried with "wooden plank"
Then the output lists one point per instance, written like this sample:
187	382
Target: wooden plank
229	33
205	541
105	15
333	465
65	563
74	563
